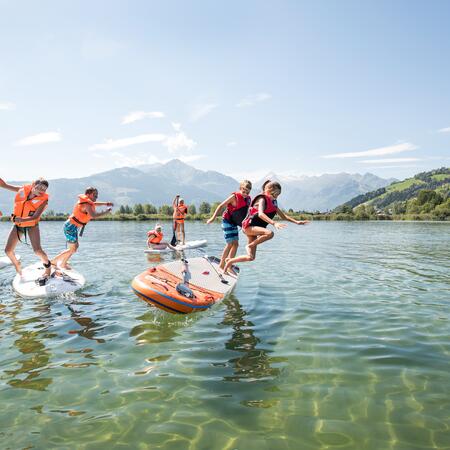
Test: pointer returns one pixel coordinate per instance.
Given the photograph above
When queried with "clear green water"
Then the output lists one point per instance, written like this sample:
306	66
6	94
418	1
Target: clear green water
337	337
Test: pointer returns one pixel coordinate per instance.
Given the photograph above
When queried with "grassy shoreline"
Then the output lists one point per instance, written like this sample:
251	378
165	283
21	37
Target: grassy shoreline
301	216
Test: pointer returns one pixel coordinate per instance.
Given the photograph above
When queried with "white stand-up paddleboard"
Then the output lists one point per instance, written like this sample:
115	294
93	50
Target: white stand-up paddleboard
5	261
188	245
62	281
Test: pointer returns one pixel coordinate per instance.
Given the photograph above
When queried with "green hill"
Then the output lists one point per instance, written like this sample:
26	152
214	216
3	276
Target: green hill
426	195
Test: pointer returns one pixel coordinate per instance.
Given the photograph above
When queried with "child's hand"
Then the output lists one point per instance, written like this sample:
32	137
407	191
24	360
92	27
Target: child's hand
2	182
109	204
211	220
279	226
302	222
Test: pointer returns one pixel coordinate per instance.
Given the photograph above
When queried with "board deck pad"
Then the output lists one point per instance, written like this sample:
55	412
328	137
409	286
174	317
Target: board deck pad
63	281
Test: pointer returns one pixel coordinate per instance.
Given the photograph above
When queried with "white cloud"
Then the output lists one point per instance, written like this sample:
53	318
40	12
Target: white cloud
134	116
253	99
40	138
112	144
231	144
202	110
390	160
179	142
444	130
7	106
176	126
398	148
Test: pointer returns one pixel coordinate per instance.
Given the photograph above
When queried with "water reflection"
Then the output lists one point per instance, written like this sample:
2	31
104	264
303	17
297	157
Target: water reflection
32	333
89	326
254	363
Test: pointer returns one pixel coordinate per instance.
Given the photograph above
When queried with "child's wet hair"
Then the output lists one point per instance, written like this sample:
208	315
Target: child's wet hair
41	181
246	184
272	186
90	190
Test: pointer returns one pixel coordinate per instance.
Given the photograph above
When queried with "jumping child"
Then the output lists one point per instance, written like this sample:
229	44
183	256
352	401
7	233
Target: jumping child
29	204
263	209
237	205
83	212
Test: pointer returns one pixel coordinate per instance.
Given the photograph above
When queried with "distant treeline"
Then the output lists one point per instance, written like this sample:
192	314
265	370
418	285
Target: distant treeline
429	205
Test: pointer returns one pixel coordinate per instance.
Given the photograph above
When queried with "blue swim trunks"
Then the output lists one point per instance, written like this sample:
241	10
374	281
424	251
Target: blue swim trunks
70	232
230	231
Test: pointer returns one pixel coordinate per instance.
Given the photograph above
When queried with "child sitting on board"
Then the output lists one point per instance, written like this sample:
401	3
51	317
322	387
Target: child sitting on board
154	239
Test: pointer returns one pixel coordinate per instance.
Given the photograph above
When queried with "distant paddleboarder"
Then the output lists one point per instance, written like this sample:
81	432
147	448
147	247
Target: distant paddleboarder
264	208
29	204
83	212
179	213
237	205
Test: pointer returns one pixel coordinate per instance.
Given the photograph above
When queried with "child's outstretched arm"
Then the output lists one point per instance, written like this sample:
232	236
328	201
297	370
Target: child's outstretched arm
266	218
219	207
284	216
10	187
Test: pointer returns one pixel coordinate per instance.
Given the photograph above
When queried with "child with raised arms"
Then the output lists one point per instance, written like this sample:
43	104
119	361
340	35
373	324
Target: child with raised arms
237	205
264	208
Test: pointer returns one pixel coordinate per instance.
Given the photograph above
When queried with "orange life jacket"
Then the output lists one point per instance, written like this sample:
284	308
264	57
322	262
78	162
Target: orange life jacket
25	207
157	236
80	218
180	212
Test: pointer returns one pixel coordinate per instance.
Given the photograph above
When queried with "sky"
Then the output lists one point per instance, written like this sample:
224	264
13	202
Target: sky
241	87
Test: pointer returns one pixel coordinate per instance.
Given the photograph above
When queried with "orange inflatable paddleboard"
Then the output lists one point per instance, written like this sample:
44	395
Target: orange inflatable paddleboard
185	286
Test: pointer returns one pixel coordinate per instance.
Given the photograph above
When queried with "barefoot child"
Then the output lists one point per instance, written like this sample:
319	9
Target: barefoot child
237	208
179	213
29	204
83	212
154	239
264	208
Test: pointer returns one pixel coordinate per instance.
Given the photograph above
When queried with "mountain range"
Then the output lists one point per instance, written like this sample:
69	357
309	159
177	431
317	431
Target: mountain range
157	184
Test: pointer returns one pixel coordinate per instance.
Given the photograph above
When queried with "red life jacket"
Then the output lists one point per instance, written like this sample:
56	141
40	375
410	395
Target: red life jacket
157	236
25	207
236	214
270	210
80	218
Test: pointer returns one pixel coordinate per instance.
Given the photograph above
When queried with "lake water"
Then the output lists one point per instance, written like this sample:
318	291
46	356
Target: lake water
336	337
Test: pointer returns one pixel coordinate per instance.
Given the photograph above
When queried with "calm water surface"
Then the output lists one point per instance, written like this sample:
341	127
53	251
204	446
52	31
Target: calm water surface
337	337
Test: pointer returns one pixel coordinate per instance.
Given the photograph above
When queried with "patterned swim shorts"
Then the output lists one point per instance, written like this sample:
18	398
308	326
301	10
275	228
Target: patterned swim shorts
70	232
230	231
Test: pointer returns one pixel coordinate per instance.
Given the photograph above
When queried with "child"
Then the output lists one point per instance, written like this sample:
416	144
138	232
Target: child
29	204
154	239
179	213
237	207
262	211
83	212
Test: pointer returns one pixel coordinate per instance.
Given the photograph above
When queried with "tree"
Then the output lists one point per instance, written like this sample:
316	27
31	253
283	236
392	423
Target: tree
205	208
150	209
122	209
138	209
192	210
128	210
166	210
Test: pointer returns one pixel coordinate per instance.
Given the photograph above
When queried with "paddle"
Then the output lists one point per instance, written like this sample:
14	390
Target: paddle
173	242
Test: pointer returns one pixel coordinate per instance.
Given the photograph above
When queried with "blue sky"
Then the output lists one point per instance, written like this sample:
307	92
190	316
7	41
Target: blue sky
242	87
